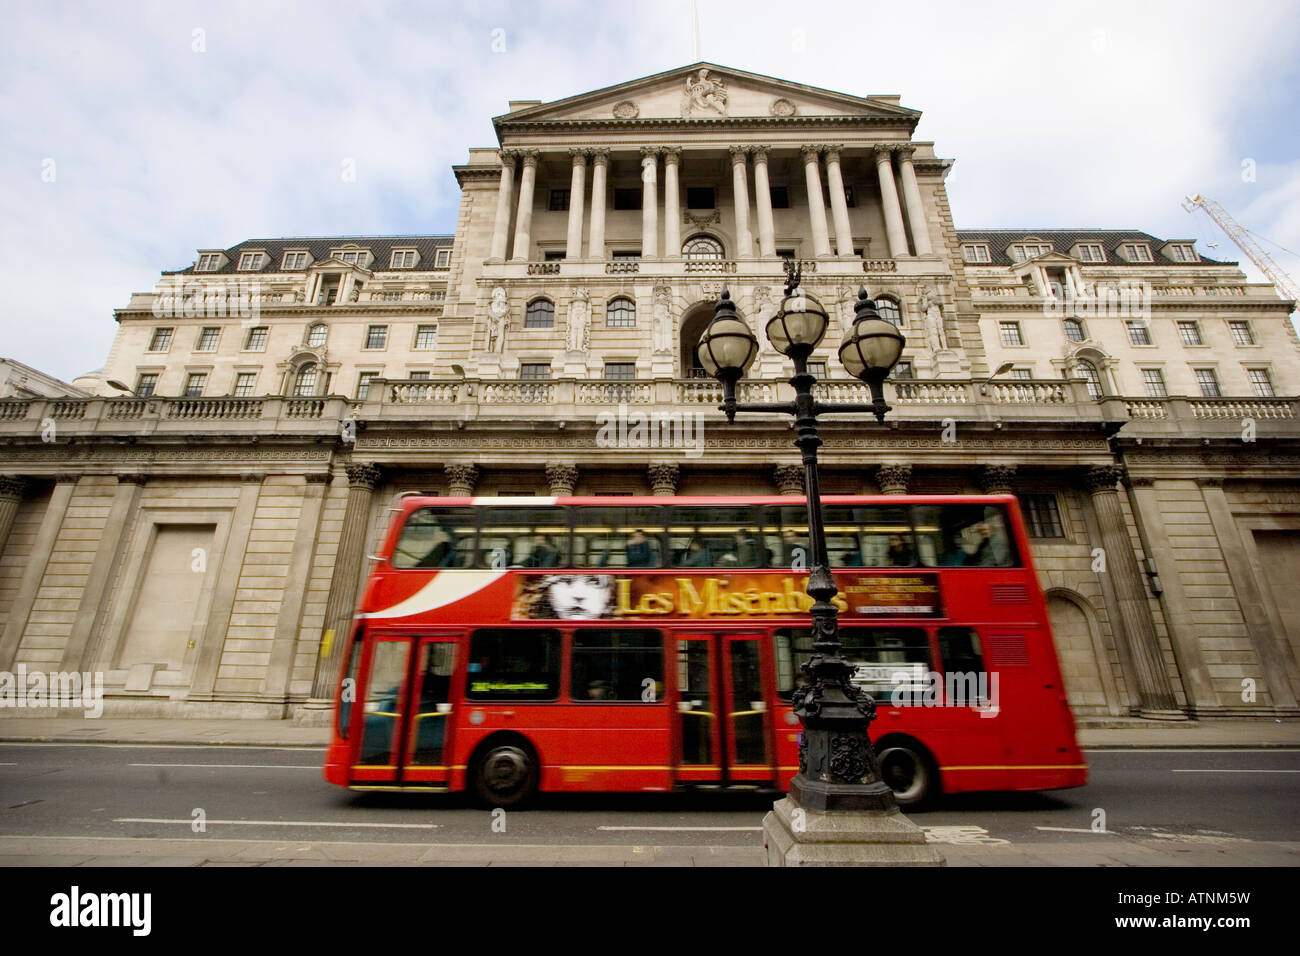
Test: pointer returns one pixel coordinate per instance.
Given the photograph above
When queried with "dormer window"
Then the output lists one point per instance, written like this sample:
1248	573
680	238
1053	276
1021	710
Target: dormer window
1091	252
1023	251
352	257
1137	252
403	259
294	260
975	252
1181	252
250	261
209	262
443	259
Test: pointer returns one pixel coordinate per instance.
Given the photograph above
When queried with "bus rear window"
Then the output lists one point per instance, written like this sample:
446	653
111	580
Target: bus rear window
513	664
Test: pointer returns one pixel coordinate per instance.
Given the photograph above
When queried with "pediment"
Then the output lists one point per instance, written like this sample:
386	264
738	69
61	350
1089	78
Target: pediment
706	91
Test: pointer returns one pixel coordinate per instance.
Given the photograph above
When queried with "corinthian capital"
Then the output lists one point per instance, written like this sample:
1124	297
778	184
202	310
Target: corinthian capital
530	157
905	151
672	154
882	151
810	152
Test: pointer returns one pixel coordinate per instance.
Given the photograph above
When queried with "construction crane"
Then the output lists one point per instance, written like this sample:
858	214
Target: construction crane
1246	242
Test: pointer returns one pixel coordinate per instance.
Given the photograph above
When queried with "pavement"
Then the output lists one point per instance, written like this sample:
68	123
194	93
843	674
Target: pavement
1099	734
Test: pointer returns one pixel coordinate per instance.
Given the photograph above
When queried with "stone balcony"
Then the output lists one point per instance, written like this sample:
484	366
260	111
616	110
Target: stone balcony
459	402
756	269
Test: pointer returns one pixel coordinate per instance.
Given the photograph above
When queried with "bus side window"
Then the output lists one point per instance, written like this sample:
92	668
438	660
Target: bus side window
436	538
892	663
959	650
617	537
617	664
513	664
349	690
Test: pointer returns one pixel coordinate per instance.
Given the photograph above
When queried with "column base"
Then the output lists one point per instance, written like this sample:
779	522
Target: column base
1161	714
794	836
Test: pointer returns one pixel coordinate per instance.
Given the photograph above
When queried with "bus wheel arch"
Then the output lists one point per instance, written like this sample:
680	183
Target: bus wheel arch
504	770
909	769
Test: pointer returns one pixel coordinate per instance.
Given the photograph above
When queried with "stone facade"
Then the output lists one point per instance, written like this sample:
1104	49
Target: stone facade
202	540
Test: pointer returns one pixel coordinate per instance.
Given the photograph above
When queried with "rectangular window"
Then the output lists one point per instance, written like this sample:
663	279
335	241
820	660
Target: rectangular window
1138	333
1208	381
364	381
848	198
620	371
1010	333
1091	252
975	252
426	337
554	255
377	337
780	197
1241	333
1189	333
1137	252
534	371
250	261
195	383
1154	380
785	253
879	656
1022	374
615	663
422	376
1183	253
902	370
1261	382
402	259
244	382
817	370
1042	518
146	383
513	664
621	537
436	538
208	338
353	257
209	262
294	260
627	198
161	340
256	340
559	201
442	260
524	538
700	197
1074	330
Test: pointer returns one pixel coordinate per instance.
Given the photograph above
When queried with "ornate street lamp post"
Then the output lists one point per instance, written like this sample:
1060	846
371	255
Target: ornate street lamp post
838	773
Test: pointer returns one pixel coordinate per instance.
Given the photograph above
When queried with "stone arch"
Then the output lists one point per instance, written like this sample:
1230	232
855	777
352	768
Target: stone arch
703	245
695	320
1077	636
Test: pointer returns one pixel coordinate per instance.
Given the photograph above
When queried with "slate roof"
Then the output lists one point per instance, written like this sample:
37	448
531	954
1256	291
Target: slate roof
319	247
1063	239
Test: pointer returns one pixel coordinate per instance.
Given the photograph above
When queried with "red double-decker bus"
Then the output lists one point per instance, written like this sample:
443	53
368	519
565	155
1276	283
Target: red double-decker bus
510	645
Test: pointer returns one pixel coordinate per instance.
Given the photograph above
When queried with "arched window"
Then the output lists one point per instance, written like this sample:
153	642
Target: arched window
889	310
1088	372
316	336
304	382
620	314
540	315
1074	330
701	247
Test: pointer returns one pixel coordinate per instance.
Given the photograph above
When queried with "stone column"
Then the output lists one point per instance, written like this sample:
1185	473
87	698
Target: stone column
461	478
763	199
740	198
562	478
524	218
284	646
672	205
789	479
11	495
505	193
342	600
839	204
912	197
38	558
577	186
663	478
997	479
596	240
649	203
816	207
889	199
893	479
1154	690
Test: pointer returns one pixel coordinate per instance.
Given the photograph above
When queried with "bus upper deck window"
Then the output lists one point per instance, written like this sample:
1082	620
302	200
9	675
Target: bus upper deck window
964	536
435	538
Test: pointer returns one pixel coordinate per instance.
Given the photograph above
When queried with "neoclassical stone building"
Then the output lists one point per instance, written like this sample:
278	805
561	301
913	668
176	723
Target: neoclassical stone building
199	530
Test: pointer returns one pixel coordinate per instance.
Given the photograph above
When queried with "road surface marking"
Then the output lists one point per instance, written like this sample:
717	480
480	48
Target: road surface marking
232	766
286	823
690	829
962	836
1071	830
1234	771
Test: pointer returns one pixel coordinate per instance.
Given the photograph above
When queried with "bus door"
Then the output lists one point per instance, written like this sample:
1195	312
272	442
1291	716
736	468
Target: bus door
723	719
405	695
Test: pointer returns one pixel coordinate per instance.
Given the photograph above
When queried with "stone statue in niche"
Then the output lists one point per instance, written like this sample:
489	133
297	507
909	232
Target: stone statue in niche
935	337
704	94
498	319
579	311
662	331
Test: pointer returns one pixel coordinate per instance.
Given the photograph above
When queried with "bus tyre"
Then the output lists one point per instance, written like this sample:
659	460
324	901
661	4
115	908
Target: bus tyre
505	774
906	767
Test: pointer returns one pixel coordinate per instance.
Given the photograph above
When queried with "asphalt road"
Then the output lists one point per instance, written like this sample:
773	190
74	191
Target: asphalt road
248	793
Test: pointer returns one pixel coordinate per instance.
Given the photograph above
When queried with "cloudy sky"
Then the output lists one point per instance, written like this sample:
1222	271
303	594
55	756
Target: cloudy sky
133	133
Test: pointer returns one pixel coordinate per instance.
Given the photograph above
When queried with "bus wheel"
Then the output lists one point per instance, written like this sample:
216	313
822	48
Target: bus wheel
906	767
505	774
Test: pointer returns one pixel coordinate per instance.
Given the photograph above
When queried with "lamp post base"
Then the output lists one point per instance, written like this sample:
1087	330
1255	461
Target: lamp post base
795	836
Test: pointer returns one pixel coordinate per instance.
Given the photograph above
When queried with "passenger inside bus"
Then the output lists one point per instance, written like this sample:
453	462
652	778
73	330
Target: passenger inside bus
638	551
899	554
696	556
544	553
